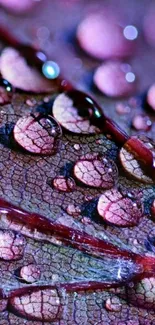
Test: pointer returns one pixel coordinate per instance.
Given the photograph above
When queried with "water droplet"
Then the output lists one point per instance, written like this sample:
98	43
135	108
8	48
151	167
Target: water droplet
31	102
73	210
12	245
64	184
6	91
76	146
86	221
37	304
130	32
93	170
30	273
50	70
113	304
118	210
37	133
141	123
102	36
112	79
122	109
72	111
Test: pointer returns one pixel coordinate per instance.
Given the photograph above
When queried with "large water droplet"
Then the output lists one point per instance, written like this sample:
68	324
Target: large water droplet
37	304
96	171
37	133
119	210
12	245
113	304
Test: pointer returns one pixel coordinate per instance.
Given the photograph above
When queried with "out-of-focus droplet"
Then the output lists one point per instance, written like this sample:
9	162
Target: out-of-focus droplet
114	80
141	122
122	109
50	70
77	146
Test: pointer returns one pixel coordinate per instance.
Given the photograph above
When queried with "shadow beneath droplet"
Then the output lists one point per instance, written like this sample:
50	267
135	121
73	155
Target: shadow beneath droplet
6	135
89	210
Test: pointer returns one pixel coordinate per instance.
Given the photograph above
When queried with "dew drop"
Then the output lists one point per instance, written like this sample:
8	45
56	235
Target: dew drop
6	92
12	245
37	304
37	133
31	102
73	210
122	109
102	36
113	304
77	146
96	171
141	123
64	184
112	80
30	273
119	210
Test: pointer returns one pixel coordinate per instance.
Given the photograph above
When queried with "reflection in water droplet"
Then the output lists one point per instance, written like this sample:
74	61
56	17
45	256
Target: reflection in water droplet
64	184
30	273
50	70
130	32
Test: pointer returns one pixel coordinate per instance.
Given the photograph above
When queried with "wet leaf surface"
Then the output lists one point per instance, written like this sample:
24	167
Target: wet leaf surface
25	180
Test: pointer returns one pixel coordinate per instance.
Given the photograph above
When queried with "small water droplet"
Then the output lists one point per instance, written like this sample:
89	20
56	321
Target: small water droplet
76	146
130	32
113	304
64	184
86	221
30	273
73	210
31	102
141	123
122	109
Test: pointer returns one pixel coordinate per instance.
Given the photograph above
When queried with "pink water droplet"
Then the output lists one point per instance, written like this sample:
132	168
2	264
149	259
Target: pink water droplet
12	245
114	81
101	35
30	273
16	70
151	97
64	184
132	164
122	109
96	171
17	6
72	111
141	122
31	102
37	304
119	210
37	133
113	304
73	210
